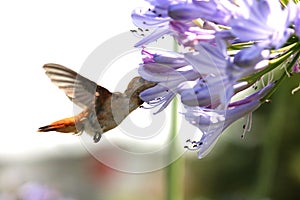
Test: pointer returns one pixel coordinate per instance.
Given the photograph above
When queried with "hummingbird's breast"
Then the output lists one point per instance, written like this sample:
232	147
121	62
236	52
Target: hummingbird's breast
112	111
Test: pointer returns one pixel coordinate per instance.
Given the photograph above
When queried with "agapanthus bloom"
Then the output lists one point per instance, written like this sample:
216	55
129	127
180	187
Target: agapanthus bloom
220	11
229	46
206	80
213	122
159	16
168	69
263	21
156	16
191	34
220	73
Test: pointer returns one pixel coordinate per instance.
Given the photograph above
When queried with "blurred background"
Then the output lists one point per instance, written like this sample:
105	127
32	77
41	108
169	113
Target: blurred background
263	165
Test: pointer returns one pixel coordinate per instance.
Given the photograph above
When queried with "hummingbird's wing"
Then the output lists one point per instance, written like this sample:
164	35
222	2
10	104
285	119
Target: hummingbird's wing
79	89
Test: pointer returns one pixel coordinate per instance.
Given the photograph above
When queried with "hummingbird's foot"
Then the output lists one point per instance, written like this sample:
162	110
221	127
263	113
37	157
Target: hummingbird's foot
97	137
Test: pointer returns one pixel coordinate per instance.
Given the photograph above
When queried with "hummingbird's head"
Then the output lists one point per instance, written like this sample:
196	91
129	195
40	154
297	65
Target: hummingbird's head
135	87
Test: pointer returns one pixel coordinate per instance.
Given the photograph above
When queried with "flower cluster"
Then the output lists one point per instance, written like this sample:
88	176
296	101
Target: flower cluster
229	46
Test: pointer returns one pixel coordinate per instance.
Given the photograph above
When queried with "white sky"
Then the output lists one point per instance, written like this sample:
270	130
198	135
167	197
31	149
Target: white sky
37	32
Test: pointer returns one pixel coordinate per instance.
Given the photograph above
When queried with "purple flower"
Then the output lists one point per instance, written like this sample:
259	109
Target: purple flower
168	70
156	16
209	58
207	77
254	56
220	73
211	10
200	93
150	17
191	34
217	64
297	20
213	122
184	12
263	21
165	3
217	78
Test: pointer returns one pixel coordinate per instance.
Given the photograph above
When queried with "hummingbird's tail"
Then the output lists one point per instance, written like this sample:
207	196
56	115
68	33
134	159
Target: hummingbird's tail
67	125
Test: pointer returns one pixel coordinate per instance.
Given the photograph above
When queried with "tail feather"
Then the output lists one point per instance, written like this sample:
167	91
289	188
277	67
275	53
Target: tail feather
67	125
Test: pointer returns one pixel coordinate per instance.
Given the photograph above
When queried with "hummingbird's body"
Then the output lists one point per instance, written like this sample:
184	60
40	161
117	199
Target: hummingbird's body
102	110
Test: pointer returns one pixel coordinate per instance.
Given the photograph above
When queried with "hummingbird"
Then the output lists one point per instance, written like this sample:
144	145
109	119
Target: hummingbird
102	110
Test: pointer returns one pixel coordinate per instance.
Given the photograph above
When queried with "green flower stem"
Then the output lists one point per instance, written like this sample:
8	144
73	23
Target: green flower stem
175	171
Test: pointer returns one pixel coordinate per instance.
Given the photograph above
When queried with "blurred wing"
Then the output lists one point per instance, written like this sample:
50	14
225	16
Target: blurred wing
79	89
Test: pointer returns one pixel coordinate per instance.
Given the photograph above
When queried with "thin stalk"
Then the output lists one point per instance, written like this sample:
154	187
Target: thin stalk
175	171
